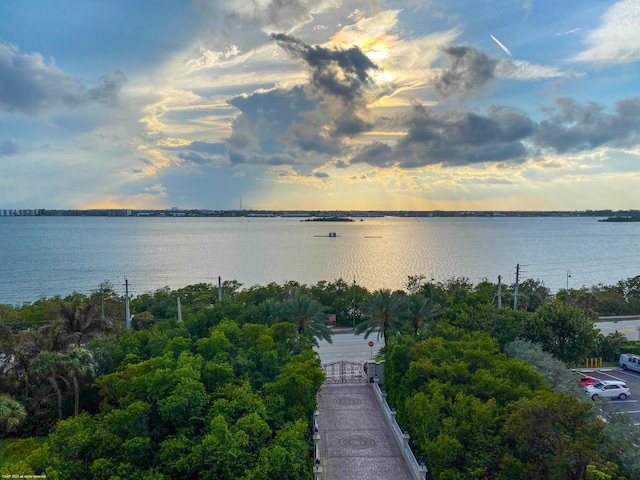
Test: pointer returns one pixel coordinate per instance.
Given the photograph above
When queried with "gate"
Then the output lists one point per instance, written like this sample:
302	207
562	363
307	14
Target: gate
344	372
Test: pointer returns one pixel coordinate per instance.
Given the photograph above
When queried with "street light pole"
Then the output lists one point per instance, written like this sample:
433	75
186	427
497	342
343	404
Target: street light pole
568	277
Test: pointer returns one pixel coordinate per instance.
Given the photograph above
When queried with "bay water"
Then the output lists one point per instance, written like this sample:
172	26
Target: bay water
48	256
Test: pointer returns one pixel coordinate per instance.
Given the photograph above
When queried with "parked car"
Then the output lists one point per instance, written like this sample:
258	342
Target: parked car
586	381
629	361
608	389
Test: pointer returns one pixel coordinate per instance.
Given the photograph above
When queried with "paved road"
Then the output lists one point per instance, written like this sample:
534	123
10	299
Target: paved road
356	442
348	346
629	328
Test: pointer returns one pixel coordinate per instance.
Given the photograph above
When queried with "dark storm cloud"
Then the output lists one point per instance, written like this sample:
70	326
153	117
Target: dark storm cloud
577	127
350	125
9	147
29	85
300	125
469	69
505	135
377	154
461	138
454	138
342	73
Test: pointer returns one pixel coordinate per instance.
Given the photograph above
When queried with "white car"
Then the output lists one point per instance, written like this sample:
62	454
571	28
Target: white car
608	389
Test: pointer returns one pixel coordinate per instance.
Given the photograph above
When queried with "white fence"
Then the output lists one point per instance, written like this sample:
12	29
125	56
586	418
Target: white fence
418	470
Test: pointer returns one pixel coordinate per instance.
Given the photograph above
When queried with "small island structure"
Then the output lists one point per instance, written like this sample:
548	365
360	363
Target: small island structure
328	219
628	218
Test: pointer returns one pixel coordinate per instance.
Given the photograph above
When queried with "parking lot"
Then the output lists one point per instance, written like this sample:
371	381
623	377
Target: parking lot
632	379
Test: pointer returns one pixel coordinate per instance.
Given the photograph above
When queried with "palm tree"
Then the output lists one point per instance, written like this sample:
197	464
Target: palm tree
48	364
307	314
78	363
17	350
81	322
271	311
12	414
383	311
419	310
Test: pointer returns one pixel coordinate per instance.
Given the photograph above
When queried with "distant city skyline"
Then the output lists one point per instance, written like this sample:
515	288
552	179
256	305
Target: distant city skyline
409	105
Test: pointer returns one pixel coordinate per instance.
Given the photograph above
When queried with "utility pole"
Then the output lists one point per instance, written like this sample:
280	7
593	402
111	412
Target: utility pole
499	292
179	311
353	305
515	289
219	289
102	301
126	304
568	277
431	293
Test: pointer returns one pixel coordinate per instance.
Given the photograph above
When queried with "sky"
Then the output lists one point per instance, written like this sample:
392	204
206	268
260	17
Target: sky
320	104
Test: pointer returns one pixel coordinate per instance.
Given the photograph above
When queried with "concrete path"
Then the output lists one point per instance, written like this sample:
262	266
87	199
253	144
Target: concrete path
356	442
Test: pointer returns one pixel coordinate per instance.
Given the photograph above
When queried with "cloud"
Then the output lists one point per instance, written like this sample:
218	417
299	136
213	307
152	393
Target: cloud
505	135
304	124
523	70
573	127
30	85
343	73
10	147
616	40
262	131
454	138
108	89
376	154
202	153
279	14
341	84
243	25
469	70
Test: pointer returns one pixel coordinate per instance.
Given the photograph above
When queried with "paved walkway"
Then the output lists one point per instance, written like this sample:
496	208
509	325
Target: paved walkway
356	442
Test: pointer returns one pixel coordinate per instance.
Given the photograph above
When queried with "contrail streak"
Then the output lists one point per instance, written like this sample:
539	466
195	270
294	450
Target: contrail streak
506	50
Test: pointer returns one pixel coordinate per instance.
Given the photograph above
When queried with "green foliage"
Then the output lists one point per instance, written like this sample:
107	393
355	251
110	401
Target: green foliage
229	392
298	383
562	330
174	406
470	410
553	435
554	371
